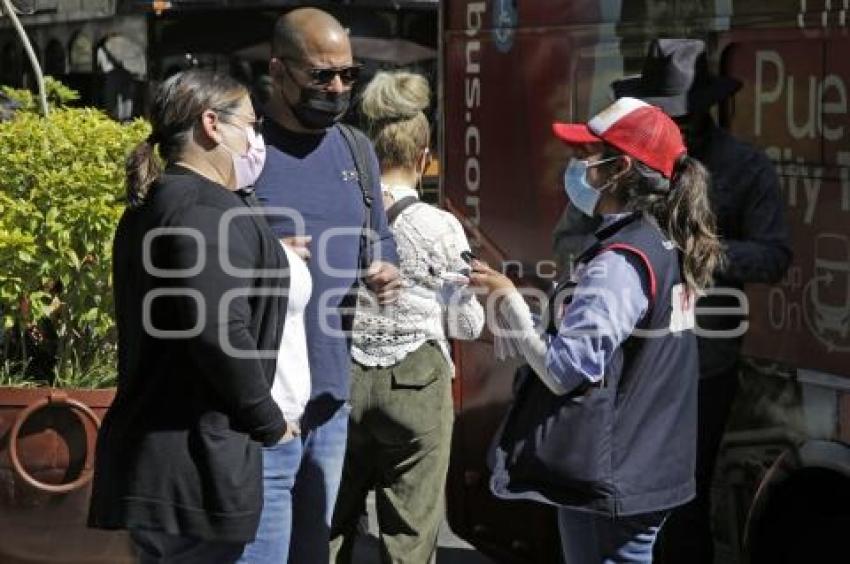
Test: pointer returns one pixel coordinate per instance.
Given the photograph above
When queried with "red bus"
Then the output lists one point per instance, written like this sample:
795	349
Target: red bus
512	67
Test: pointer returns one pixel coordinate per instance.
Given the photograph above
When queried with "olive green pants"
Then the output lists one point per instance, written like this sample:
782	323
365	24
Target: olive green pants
399	439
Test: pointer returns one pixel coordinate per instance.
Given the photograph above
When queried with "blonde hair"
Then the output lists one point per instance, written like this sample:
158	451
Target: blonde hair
392	106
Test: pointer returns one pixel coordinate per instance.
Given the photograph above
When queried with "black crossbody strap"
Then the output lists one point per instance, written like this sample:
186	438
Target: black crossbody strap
358	144
395	210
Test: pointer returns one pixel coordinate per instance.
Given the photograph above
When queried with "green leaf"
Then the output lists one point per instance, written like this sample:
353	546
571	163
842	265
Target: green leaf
61	196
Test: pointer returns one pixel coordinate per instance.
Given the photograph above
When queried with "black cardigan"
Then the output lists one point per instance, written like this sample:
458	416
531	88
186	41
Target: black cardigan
179	449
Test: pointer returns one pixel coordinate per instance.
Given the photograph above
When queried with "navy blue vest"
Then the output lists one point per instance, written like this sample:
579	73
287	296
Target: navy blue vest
624	447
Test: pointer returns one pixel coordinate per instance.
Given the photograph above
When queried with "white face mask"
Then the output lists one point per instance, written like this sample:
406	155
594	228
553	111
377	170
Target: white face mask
247	167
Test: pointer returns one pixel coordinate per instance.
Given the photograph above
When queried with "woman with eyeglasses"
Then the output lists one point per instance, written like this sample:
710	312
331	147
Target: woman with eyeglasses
603	425
212	368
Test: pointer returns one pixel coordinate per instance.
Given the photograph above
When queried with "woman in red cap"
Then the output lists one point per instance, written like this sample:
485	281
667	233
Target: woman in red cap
603	424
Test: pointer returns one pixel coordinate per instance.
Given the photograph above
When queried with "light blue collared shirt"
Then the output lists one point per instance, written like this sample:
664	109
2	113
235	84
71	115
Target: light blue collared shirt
608	302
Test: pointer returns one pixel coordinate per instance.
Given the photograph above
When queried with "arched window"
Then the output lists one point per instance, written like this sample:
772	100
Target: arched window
10	64
80	53
121	64
28	74
54	59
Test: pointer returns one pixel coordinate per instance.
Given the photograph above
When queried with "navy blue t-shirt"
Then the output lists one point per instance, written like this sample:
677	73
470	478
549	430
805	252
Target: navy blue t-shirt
315	175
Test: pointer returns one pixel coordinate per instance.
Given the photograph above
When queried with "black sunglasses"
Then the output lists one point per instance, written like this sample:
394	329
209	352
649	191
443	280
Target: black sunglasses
325	75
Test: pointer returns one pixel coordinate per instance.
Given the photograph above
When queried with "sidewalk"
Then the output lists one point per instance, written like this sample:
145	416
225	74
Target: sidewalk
451	549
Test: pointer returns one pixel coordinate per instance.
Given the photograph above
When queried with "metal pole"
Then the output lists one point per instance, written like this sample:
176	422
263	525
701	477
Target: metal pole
39	77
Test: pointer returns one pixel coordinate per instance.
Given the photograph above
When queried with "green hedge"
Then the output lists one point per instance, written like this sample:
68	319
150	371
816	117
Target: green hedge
61	195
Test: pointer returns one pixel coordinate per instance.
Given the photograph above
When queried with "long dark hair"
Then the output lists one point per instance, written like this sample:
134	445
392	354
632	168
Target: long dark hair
682	209
177	106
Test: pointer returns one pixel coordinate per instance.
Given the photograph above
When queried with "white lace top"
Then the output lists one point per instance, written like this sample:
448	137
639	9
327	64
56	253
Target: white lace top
433	303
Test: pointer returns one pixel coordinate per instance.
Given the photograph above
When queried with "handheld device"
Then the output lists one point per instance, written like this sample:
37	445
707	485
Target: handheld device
457	278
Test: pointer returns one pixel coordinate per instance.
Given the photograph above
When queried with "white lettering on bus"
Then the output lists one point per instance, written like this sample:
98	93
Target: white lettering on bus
763	58
472	101
473	170
834	107
800	182
813	109
825	98
843	160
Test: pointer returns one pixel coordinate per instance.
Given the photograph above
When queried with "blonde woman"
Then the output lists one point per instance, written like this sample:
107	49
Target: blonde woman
401	420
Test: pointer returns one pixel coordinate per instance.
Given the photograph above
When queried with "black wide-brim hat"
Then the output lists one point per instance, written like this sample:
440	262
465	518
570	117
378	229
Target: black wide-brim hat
675	78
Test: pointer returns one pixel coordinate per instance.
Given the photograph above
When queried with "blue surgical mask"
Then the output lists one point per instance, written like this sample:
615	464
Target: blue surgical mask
580	192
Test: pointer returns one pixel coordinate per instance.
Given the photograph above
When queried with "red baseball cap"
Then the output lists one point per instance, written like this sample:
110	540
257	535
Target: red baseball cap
634	127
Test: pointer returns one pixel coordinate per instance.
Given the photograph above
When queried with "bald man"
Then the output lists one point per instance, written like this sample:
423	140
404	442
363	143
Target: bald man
310	169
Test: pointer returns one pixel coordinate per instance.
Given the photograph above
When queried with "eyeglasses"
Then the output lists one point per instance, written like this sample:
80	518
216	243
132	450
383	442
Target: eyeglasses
257	123
592	164
324	75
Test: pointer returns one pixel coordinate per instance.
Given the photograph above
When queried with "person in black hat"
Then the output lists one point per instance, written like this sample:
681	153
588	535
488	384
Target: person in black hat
746	199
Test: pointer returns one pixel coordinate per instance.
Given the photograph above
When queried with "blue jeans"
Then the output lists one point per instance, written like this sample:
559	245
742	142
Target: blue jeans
324	430
280	465
157	547
588	538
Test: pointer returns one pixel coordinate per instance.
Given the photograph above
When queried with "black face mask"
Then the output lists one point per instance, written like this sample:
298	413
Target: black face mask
319	109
